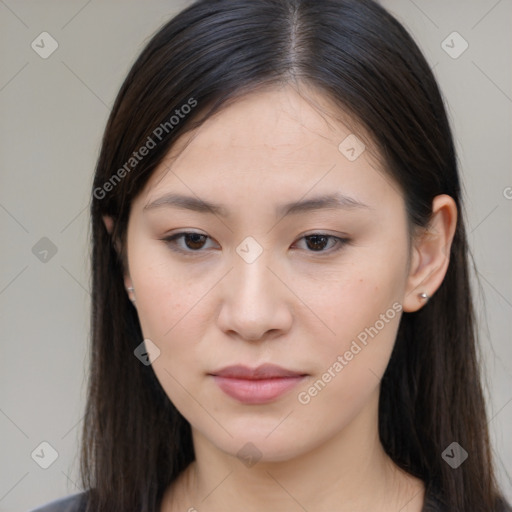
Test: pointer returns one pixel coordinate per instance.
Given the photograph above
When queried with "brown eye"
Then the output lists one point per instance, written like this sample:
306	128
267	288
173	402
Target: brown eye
316	242
186	242
194	241
191	242
323	243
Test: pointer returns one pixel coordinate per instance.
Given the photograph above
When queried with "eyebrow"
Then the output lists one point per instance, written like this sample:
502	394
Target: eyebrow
334	201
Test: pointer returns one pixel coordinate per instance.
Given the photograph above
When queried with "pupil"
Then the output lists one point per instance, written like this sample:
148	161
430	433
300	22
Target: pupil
315	238
315	242
194	237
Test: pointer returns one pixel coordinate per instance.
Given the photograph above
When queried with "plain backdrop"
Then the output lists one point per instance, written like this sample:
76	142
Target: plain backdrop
53	112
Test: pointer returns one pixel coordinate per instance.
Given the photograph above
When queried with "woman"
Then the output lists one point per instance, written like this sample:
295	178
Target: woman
282	317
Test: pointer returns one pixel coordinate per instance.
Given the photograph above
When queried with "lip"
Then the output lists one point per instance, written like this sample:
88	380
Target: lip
256	385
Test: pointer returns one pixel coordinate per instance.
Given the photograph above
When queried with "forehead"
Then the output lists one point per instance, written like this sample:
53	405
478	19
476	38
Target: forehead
279	119
275	141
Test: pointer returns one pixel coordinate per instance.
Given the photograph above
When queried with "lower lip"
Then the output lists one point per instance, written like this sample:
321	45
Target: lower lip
256	391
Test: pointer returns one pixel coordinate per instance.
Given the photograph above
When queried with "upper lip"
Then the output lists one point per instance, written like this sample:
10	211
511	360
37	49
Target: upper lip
264	371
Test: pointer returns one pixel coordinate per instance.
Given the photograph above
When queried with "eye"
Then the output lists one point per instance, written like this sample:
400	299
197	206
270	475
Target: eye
317	242
193	242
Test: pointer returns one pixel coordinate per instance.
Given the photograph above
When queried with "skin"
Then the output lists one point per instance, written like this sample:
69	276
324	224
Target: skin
293	306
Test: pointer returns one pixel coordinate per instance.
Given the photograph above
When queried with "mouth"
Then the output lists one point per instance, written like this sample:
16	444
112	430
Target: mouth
259	385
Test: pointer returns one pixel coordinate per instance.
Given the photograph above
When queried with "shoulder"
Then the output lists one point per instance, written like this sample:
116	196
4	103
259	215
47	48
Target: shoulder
74	503
503	505
435	503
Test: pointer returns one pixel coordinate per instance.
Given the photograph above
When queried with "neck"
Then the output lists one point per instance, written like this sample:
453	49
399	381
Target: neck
350	472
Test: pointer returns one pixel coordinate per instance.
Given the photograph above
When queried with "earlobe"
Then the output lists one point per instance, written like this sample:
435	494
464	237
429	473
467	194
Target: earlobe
109	223
431	254
129	289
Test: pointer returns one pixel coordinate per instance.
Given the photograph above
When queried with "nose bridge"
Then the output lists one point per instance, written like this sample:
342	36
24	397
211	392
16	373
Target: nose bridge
252	300
252	281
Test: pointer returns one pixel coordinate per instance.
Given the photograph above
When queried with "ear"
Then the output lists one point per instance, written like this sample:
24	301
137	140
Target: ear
431	253
109	225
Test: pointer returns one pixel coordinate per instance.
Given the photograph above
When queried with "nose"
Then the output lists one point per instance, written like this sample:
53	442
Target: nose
255	304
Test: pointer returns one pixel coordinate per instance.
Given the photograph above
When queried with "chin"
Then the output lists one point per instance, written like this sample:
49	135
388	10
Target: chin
257	446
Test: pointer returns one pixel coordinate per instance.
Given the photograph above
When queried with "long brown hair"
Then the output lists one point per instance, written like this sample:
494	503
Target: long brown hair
135	442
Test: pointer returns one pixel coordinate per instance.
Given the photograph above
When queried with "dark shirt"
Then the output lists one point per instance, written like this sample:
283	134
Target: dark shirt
74	503
77	502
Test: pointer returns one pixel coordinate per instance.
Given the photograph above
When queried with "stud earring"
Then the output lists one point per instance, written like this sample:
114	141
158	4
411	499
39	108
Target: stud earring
132	290
423	296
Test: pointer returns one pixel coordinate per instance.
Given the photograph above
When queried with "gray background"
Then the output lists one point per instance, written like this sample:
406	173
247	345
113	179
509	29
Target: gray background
53	113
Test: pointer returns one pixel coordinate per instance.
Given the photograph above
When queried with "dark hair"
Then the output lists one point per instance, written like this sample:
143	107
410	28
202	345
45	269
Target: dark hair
135	443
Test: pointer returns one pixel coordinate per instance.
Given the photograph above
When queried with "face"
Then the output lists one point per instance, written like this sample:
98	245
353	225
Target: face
299	260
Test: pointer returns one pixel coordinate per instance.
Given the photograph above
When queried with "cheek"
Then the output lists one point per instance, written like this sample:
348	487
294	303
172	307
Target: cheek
172	315
173	311
351	372
362	305
168	295
351	299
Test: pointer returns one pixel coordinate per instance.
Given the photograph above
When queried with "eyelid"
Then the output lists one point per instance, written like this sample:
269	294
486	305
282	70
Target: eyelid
170	241
341	240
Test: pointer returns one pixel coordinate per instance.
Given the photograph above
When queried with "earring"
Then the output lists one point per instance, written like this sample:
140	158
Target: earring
423	296
132	290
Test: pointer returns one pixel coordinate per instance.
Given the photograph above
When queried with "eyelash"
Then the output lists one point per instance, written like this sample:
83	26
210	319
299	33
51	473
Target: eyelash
171	243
